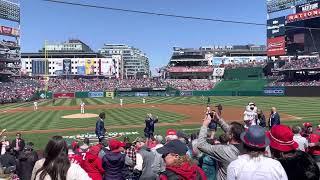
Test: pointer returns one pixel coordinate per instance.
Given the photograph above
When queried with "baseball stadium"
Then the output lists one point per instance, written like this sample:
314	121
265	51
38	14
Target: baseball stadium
62	89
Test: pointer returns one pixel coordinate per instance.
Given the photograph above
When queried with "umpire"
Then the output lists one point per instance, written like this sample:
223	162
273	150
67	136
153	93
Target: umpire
100	130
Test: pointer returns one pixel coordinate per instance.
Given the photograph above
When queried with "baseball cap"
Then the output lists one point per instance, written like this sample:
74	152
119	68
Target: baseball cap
174	146
281	138
94	150
171	132
115	145
307	124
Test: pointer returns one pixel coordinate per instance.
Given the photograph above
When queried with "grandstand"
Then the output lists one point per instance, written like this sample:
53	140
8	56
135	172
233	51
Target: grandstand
10	43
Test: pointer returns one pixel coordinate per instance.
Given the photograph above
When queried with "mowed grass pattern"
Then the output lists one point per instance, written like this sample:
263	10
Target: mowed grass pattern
305	108
53	119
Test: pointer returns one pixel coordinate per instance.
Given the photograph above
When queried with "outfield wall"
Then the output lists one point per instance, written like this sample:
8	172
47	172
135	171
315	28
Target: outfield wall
267	91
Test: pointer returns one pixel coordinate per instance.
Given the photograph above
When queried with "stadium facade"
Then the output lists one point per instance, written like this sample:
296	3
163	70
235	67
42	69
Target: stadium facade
136	62
10	38
208	62
72	63
75	58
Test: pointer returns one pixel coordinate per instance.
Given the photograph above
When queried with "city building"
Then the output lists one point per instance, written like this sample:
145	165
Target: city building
71	64
72	45
135	62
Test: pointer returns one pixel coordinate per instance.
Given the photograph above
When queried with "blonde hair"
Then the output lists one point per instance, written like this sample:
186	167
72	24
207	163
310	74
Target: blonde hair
183	159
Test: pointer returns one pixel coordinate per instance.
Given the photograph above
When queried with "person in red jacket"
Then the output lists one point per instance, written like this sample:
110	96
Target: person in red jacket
92	164
73	157
178	164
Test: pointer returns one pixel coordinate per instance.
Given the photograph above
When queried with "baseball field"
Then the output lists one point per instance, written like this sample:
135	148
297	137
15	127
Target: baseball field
184	113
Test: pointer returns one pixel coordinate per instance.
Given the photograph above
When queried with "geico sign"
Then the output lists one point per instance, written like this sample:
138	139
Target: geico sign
304	15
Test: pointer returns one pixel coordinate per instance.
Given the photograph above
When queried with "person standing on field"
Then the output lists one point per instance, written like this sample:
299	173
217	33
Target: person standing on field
144	100
35	106
82	104
121	102
100	130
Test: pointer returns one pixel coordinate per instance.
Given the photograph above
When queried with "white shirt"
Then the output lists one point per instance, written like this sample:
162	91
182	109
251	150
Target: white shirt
75	172
303	142
35	104
82	104
139	162
260	168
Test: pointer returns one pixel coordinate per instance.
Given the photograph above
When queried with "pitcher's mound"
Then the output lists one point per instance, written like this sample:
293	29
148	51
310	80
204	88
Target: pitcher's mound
78	116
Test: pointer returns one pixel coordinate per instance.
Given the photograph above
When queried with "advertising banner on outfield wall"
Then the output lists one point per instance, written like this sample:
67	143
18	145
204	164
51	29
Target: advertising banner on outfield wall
89	66
276	46
63	95
274	91
95	94
185	93
109	94
142	94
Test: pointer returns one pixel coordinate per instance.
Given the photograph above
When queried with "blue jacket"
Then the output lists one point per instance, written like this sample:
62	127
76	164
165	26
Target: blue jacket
113	164
100	130
274	120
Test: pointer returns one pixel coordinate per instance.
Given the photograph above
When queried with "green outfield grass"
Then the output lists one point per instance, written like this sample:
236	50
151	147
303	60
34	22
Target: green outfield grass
305	108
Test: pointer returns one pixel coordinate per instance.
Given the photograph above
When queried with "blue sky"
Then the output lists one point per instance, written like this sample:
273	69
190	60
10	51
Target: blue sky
156	36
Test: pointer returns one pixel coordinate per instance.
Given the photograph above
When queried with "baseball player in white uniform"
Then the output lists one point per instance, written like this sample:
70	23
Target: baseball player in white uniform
144	100
35	105
121	102
82	104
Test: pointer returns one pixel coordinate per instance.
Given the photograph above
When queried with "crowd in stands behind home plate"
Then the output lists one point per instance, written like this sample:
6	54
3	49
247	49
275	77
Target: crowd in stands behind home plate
269	152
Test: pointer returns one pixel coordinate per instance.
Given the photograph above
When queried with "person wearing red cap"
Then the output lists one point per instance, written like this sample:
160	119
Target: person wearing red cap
92	164
314	141
114	161
171	134
254	164
297	164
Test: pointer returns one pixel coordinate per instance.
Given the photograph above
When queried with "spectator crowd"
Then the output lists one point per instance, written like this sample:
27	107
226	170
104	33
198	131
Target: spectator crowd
190	84
303	63
18	90
243	65
268	151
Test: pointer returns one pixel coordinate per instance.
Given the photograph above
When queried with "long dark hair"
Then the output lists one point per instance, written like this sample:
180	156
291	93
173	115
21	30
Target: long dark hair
56	163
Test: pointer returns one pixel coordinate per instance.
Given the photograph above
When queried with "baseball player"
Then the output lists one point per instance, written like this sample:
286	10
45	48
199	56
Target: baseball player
121	102
143	100
82	104
35	105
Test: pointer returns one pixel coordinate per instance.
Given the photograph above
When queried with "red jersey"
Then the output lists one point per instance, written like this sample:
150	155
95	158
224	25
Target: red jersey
75	158
314	138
